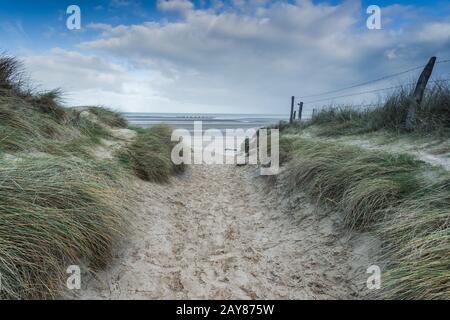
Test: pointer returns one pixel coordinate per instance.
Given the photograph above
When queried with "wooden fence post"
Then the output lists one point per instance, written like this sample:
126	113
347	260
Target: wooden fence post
417	96
300	110
292	109
295	114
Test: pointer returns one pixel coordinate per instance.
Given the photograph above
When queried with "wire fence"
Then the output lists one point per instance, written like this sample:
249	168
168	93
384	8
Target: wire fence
314	102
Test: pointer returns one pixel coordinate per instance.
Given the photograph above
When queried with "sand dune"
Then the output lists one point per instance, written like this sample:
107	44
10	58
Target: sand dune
210	234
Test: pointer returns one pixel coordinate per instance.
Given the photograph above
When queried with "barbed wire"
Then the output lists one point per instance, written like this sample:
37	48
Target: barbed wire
369	104
357	106
373	91
370	81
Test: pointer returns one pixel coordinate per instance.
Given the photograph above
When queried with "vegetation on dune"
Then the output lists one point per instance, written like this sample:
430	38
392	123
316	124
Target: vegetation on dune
36	121
150	154
49	103
417	242
362	184
25	128
433	114
404	202
392	195
12	75
56	212
60	205
109	117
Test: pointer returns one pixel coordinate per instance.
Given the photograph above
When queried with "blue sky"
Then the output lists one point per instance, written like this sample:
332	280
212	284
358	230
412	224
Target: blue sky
218	56
40	24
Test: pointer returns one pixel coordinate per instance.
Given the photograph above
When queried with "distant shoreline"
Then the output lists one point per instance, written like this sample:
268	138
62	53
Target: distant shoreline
209	121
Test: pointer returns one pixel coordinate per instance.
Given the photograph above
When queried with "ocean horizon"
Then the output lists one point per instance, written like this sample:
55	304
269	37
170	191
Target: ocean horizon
219	121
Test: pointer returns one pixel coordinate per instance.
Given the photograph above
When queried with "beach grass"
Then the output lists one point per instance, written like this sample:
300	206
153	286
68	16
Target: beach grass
433	114
150	154
60	204
109	117
56	212
403	202
361	184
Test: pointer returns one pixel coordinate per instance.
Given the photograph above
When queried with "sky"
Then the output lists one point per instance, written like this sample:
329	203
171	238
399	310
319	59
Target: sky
222	56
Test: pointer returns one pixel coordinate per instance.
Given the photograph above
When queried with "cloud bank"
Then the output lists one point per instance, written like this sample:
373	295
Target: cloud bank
246	57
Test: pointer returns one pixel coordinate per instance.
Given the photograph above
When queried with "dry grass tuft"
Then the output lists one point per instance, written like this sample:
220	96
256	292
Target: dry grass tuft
56	212
390	195
150	154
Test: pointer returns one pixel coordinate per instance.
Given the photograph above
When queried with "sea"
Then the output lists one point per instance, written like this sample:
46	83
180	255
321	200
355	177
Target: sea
208	120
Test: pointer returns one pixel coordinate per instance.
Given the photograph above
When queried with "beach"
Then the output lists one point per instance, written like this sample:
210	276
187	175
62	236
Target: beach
209	121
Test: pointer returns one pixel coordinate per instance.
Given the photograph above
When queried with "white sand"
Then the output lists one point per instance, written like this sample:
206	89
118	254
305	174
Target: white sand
210	234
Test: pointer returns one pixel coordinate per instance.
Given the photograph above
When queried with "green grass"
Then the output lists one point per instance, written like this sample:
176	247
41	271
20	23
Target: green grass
109	117
361	184
49	103
340	120
56	212
395	197
23	128
417	242
433	115
59	205
150	154
405	203
12	76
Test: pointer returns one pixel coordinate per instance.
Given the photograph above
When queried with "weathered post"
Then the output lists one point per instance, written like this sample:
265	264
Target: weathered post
292	109
417	96
295	115
300	110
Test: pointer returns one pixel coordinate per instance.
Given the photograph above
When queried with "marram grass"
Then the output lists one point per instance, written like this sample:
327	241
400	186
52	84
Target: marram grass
108	117
433	114
150	154
55	212
417	245
59	205
392	196
359	183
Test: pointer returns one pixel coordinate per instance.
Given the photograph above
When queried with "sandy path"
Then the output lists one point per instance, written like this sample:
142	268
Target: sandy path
210	234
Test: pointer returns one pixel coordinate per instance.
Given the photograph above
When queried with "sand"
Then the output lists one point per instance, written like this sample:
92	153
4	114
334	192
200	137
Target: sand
217	233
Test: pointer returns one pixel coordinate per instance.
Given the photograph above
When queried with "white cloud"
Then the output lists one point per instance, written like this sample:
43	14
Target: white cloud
436	31
75	71
248	58
179	6
91	80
